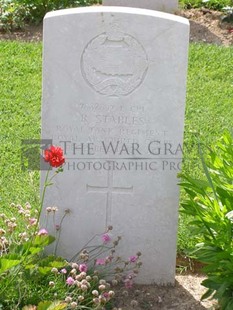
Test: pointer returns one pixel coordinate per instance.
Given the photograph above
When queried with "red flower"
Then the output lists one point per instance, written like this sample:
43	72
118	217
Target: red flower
54	156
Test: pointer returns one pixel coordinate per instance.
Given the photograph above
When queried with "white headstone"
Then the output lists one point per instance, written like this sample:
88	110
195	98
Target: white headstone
169	6
114	84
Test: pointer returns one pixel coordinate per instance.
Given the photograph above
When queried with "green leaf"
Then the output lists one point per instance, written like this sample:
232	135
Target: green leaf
44	270
210	284
207	294
42	241
46	264
48	305
8	261
229	304
53	261
33	250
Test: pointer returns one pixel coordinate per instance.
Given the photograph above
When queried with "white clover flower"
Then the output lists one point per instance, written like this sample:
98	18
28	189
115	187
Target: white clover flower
73	305
74	266
27	205
84	288
78	284
111	294
84	281
73	271
102	287
68	299
95	293
83	274
80	298
96	300
102	299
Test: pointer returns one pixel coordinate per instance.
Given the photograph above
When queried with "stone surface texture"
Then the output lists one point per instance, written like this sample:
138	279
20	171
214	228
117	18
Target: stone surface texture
114	85
168	6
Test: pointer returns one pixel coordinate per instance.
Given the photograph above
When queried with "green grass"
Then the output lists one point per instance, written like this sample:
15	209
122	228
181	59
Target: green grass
20	97
208	112
209	98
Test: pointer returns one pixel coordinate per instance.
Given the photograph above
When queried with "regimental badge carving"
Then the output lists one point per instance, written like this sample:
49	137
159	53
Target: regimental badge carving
114	64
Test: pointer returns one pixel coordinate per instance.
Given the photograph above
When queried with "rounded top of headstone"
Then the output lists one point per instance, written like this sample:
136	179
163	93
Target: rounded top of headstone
117	9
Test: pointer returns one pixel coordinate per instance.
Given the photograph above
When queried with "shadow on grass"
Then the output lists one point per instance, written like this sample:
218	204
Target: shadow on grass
206	35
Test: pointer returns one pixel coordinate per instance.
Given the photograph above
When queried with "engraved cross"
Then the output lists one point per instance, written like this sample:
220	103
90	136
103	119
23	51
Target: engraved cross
109	190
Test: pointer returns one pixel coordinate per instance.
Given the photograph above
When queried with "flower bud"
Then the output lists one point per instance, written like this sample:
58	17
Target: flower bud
68	299
73	271
96	301
80	298
95	293
111	294
74	266
54	270
84	288
51	283
73	305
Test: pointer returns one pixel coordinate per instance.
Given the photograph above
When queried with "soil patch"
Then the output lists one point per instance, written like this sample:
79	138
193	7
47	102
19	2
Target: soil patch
184	295
206	26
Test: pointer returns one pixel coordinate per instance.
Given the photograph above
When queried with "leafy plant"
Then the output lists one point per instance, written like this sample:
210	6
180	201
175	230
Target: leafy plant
31	280
15	14
210	202
228	14
12	15
210	4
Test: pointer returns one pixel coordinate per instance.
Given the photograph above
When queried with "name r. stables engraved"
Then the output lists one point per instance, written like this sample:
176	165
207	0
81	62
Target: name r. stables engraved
132	121
116	119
